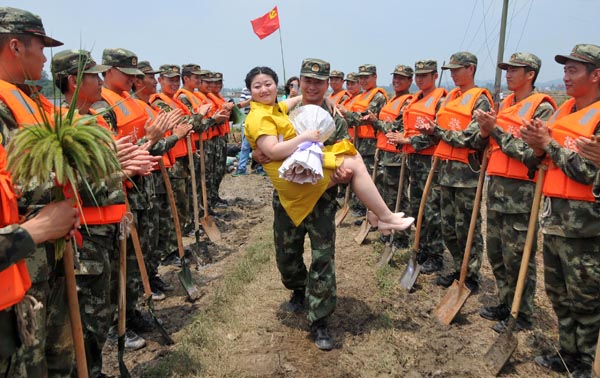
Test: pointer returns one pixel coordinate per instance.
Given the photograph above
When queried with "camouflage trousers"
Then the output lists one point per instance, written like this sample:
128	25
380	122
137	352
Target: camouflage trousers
456	209
572	278
167	238
53	356
179	174
210	170
430	242
319	279
147	224
220	168
505	239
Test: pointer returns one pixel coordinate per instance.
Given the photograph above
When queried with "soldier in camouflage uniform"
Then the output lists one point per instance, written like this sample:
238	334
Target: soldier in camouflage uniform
390	158
510	191
458	133
336	81
570	218
22	38
419	149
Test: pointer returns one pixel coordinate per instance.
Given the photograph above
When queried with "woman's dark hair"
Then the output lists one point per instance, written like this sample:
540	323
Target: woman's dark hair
288	84
260	70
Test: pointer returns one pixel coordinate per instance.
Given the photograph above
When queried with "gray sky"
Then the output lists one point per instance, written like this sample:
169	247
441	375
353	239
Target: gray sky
218	35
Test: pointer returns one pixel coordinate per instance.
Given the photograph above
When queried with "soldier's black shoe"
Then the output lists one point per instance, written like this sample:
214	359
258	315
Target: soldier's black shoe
472	284
555	363
172	259
384	238
499	312
522	324
157	283
432	264
582	371
447	279
320	332
139	322
297	301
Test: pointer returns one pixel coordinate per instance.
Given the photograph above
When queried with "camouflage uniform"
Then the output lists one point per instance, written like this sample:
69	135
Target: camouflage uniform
508	207
220	157
572	243
458	183
46	274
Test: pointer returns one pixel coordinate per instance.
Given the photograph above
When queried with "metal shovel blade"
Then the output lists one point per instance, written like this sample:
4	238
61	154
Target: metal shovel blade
185	277
120	354
161	329
387	253
211	229
452	302
362	232
411	273
501	350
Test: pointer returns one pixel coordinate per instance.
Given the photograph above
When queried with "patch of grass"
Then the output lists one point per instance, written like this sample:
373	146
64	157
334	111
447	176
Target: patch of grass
386	281
200	336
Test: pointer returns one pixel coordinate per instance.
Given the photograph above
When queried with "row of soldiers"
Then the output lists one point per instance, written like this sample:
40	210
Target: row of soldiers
525	132
151	131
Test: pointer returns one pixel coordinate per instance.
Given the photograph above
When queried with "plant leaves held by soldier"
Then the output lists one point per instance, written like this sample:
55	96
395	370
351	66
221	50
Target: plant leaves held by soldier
69	149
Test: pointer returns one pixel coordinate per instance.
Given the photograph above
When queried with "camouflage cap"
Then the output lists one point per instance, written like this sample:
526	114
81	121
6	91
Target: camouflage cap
315	68
18	21
335	73
352	76
214	76
122	59
366	70
584	53
68	62
146	68
425	66
191	69
522	60
205	74
403	70
170	70
461	59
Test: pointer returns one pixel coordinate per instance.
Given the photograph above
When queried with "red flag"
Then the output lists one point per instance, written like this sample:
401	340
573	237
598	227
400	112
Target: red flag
264	26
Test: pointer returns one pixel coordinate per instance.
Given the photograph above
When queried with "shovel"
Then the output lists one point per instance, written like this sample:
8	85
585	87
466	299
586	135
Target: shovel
122	298
389	249
199	248
341	215
74	315
208	223
185	276
363	231
145	281
412	267
504	346
458	293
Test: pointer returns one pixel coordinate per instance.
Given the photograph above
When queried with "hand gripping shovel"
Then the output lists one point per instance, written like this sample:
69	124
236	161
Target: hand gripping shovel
389	249
458	293
199	248
122	298
412	268
208	223
504	346
185	276
74	315
145	281
363	231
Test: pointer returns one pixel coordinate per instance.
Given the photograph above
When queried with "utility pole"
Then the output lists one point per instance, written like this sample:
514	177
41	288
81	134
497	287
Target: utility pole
498	80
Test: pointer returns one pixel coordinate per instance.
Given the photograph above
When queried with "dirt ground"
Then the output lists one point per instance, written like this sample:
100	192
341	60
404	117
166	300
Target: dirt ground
380	330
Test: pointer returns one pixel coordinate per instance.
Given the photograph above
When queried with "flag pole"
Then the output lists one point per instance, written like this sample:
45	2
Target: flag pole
281	48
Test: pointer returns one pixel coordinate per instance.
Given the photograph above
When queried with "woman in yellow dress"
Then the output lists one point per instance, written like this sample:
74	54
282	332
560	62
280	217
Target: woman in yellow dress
269	128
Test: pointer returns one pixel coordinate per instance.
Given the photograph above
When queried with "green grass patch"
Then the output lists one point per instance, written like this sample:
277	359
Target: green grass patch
386	278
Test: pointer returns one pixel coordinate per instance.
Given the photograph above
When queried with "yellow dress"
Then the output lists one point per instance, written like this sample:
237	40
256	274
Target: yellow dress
298	200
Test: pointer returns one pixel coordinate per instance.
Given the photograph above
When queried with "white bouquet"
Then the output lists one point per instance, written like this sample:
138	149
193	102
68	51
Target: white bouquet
306	163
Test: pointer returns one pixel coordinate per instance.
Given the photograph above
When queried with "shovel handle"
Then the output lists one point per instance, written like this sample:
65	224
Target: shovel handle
74	314
171	196
137	247
122	281
194	188
474	215
203	178
426	190
531	234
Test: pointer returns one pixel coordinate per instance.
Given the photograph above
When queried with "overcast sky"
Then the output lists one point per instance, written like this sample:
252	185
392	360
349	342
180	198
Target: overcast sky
218	35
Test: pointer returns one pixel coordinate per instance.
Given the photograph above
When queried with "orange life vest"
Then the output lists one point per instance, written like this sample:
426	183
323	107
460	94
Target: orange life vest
349	104
389	113
212	131
25	110
509	120
218	101
419	109
131	117
566	127
456	114
196	102
366	131
180	148
14	280
336	98
152	113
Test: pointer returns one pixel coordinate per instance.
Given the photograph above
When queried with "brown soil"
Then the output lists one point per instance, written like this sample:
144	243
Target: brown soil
380	330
